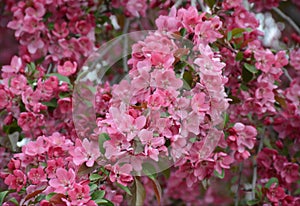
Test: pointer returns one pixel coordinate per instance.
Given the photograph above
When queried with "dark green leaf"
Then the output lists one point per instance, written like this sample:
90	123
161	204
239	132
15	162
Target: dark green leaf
251	68
247	76
239	56
2	196
98	194
52	103
124	188
210	3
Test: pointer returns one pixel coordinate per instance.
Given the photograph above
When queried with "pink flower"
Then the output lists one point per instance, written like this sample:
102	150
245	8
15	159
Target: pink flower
79	194
275	194
17	180
295	58
65	105
86	152
15	65
121	174
166	80
244	137
290	172
169	23
64	180
200	102
223	161
151	143
37	175
67	69
204	169
137	8
18	84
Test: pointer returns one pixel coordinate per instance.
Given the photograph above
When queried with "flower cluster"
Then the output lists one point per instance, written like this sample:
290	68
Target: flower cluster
204	100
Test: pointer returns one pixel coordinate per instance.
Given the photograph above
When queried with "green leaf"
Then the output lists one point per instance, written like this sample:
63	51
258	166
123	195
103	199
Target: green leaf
101	139
95	177
210	3
138	194
60	77
93	187
50	195
98	194
229	35
253	202
52	103
2	196
271	181
124	188
239	56
182	32
64	94
149	170
237	32
221	176
104	202
251	68
247	76
14	201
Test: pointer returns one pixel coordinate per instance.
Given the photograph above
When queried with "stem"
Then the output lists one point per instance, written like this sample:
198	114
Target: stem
286	73
193	3
261	143
236	198
288	19
202	5
125	46
178	3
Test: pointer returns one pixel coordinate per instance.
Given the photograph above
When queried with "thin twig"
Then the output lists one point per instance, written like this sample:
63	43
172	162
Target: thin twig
288	19
202	6
254	179
193	3
236	199
125	46
178	3
286	73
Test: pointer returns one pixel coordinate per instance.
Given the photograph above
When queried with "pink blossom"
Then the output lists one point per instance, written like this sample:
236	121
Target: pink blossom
121	174
67	69
290	172
136	8
151	143
166	80
64	180
79	194
17	180
295	58
65	105
36	175
275	194
86	152
15	66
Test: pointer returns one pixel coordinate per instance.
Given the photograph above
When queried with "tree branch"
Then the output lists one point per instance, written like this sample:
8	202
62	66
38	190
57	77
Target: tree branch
254	179
236	198
288	19
125	46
